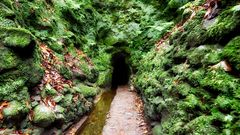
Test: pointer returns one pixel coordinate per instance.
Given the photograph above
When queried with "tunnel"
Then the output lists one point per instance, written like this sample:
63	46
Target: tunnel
121	69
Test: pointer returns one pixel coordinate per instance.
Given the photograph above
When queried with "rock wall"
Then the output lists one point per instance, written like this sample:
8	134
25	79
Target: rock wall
190	81
46	80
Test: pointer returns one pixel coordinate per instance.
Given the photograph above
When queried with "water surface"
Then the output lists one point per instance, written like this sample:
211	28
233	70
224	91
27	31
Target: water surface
96	120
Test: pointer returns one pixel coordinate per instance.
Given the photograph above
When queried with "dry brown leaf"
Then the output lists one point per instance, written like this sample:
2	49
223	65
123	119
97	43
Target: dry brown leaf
211	6
2	106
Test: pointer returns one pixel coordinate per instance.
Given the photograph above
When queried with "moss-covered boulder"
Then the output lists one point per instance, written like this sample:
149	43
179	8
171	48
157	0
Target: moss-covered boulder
227	24
5	11
48	91
10	89
231	52
87	91
43	116
15	37
14	110
8	59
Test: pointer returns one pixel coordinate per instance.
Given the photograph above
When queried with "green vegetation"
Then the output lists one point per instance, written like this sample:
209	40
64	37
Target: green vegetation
54	54
231	51
86	90
43	116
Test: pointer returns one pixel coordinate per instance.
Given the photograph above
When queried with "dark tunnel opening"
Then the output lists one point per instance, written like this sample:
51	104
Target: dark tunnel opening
121	70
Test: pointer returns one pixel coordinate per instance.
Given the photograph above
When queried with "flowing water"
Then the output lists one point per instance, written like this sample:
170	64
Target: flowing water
96	120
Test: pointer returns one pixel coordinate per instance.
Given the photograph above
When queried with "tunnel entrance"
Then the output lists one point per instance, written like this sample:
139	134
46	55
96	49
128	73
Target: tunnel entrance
121	69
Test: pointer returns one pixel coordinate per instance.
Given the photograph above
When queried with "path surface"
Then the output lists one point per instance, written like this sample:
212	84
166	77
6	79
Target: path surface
126	114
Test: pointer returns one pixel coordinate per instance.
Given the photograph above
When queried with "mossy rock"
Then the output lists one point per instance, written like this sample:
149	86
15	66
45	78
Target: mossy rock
8	59
212	57
226	27
48	91
226	103
8	90
57	47
218	81
67	101
231	52
5	11
32	70
59	111
201	125
43	116
66	72
15	37
191	102
197	36
14	110
90	72
7	3
6	22
197	54
93	77
87	91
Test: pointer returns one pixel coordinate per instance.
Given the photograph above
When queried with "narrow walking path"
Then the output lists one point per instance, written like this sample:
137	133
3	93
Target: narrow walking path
126	114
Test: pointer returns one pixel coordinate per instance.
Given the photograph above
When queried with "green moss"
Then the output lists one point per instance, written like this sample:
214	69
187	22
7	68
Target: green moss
193	34
43	116
184	89
15	37
194	77
8	3
191	102
173	125
6	22
9	89
90	72
201	125
227	23
226	103
48	91
86	90
14	110
229	3
32	70
220	81
57	47
68	101
212	57
59	111
5	11
104	79
204	55
197	36
177	3
231	52
8	59
66	72
93	77
197	54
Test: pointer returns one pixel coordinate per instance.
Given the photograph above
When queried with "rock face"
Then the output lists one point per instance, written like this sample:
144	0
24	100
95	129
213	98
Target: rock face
41	63
43	115
190	85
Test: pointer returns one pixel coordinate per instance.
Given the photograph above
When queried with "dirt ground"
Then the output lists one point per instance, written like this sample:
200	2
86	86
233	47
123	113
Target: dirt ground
126	114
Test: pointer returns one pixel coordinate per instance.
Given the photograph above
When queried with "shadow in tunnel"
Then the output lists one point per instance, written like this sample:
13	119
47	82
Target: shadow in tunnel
121	69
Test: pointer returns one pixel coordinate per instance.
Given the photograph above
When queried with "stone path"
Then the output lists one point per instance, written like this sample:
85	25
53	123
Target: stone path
126	114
